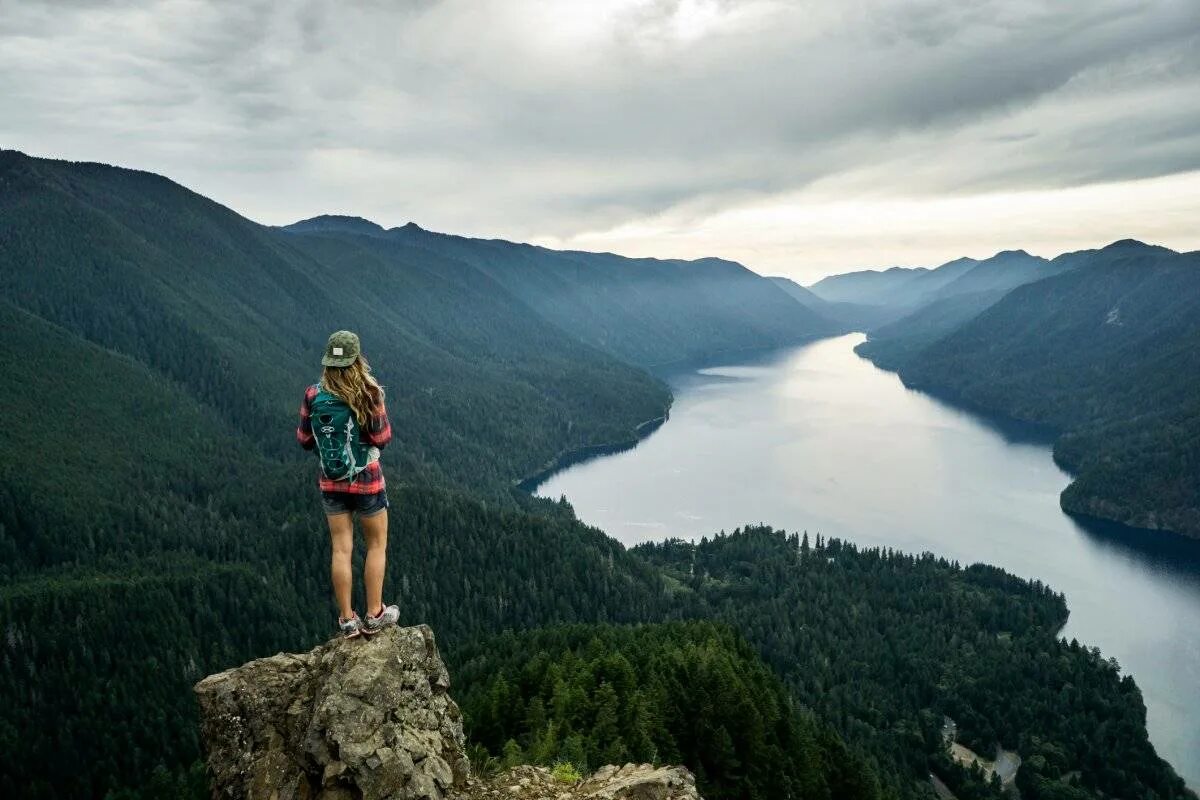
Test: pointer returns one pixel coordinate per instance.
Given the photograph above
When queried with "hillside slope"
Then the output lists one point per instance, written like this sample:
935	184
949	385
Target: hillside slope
164	342
891	643
848	316
236	315
688	693
644	311
922	301
892	345
999	273
868	286
157	521
1108	352
940	301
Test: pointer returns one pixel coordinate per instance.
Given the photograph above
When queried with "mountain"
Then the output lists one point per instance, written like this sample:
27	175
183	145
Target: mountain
167	341
644	311
1001	272
337	223
235	315
158	522
899	289
848	316
930	283
891	345
867	287
157	345
801	295
910	289
951	295
1107	351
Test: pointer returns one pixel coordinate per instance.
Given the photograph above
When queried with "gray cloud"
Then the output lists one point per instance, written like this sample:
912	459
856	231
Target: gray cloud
544	118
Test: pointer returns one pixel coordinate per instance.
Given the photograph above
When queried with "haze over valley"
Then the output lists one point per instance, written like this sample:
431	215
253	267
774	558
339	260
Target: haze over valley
505	356
776	401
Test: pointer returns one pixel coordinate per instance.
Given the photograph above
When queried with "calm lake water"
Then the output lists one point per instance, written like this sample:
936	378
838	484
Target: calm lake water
815	438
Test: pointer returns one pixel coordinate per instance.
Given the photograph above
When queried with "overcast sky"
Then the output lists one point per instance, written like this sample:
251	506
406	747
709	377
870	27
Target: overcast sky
800	138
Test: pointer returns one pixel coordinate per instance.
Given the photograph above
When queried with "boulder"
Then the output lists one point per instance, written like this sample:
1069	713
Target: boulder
363	718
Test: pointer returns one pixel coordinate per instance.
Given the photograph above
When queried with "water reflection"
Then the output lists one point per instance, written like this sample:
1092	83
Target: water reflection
1010	430
1162	553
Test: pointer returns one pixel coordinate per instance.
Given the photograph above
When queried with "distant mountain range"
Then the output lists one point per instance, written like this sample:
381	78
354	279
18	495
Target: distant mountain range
1102	345
158	522
229	312
882	297
843	316
645	311
156	348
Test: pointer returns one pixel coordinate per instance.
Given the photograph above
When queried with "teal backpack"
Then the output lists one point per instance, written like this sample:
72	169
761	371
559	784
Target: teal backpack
343	452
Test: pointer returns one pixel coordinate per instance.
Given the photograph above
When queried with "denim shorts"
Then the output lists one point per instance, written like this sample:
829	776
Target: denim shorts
345	502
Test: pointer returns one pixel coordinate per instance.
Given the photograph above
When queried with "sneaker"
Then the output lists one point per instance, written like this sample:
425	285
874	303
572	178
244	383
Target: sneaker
350	628
387	616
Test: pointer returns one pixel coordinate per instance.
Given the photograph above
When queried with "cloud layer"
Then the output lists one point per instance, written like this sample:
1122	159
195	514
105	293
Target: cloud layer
573	122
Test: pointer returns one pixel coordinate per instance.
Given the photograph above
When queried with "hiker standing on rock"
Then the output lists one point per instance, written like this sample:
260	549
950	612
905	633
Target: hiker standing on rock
343	418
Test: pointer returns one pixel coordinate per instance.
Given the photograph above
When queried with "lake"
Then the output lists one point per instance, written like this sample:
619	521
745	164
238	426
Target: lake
815	438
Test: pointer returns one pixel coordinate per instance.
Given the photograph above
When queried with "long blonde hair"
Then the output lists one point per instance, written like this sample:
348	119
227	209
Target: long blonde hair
356	387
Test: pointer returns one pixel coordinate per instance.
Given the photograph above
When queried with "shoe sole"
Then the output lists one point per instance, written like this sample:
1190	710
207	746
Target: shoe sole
371	632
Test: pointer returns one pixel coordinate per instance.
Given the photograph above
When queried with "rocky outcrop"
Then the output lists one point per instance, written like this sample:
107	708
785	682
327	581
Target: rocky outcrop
349	720
371	719
630	782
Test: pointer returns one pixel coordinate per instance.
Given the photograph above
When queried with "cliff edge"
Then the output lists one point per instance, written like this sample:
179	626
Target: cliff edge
372	719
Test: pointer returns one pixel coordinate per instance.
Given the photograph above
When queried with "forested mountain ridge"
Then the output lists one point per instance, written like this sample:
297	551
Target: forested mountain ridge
847	316
693	693
1001	272
1109	353
169	340
645	311
236	314
915	306
890	643
891	344
868	286
937	302
164	522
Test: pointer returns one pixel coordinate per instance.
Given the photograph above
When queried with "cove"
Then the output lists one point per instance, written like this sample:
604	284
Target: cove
816	438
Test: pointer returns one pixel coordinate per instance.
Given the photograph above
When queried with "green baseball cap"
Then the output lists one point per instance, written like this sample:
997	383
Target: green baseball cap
341	349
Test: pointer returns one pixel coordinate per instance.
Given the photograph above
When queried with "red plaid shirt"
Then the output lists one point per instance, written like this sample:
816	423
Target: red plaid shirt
377	432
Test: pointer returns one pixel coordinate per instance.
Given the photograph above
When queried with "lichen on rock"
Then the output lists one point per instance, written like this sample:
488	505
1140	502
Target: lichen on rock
629	782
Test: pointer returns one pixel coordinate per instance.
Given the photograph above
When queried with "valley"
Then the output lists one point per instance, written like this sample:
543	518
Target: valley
816	438
170	338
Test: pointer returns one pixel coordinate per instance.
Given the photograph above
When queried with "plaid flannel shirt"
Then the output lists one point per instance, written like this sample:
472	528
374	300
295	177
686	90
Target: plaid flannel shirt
377	433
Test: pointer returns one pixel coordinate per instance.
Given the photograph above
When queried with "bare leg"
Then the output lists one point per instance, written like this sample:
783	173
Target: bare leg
375	532
341	538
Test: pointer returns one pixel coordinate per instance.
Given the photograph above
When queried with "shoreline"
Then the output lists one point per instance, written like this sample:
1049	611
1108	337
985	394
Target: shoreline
1115	543
576	455
1046	434
691	364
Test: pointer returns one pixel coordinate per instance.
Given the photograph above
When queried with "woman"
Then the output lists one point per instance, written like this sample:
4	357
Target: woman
343	418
